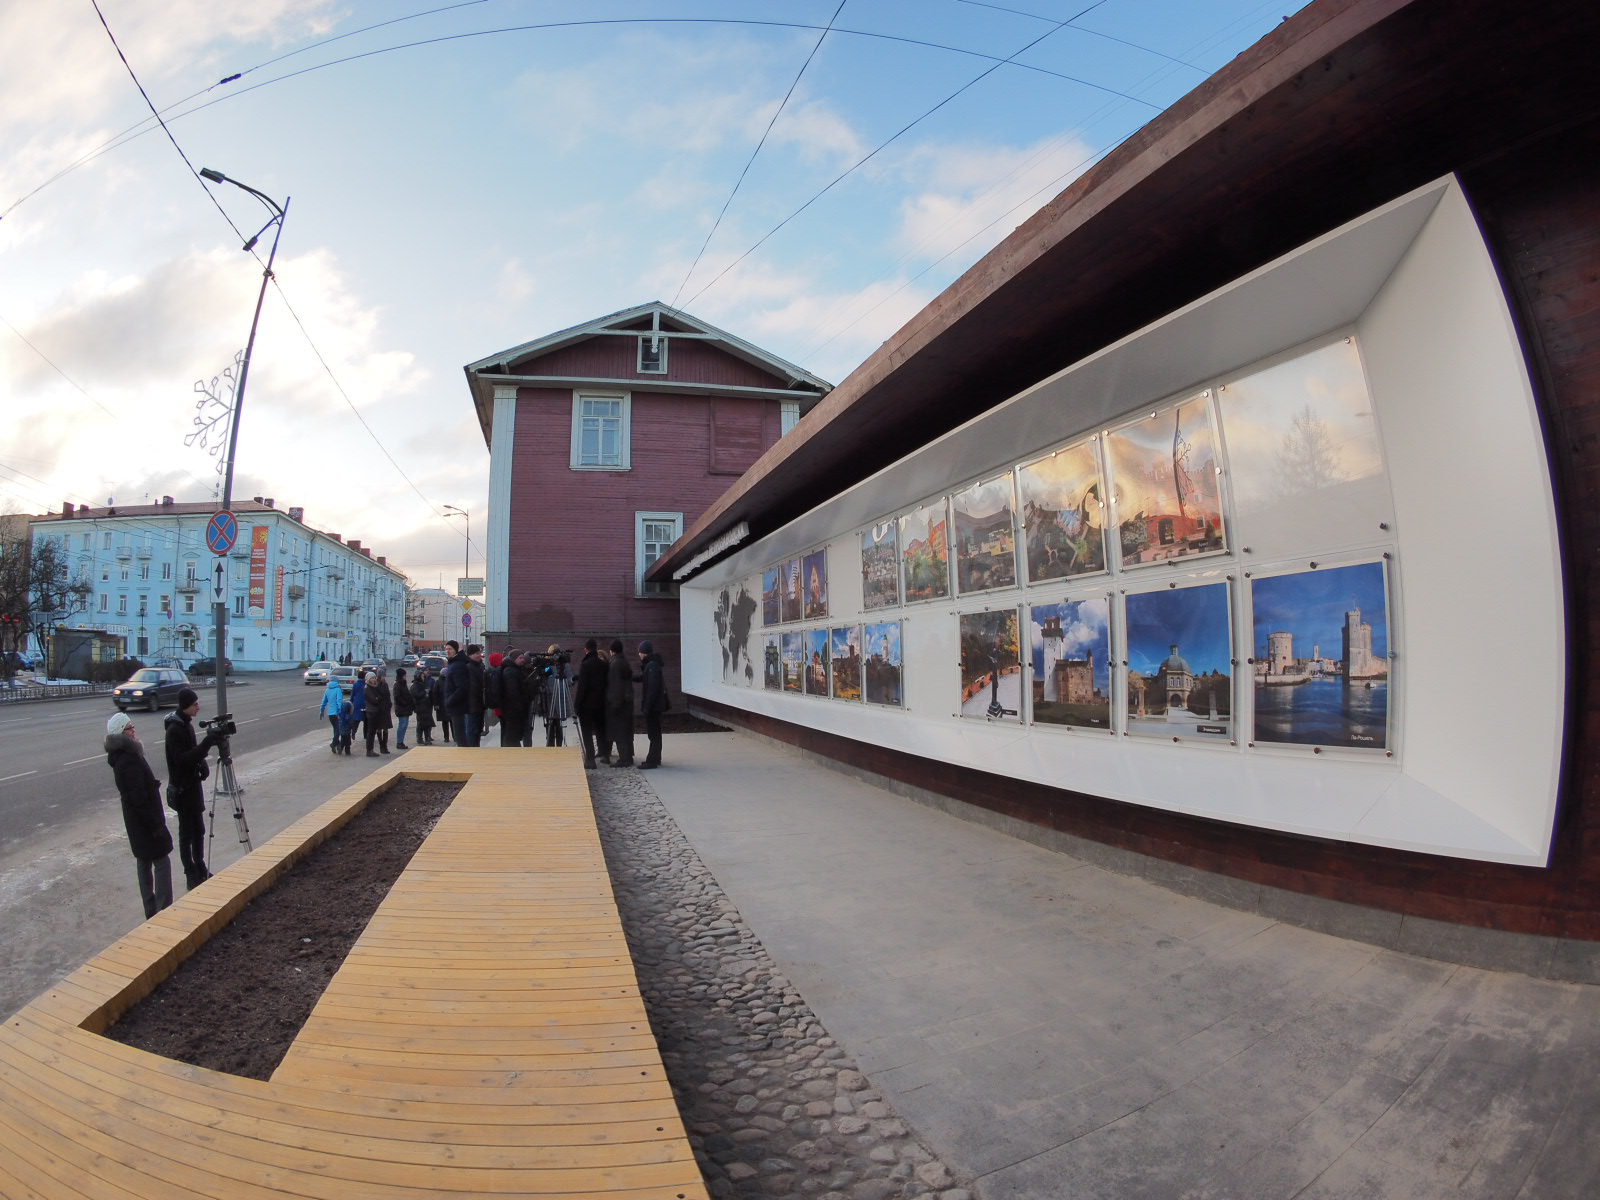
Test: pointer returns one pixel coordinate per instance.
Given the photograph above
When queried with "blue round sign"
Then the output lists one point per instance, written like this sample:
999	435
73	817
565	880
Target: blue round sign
466	620
222	531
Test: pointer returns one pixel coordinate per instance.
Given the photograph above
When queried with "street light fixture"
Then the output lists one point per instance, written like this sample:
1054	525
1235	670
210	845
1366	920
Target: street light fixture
450	510
275	223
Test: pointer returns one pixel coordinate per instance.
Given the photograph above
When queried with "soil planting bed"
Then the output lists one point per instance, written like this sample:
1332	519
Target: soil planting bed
238	1002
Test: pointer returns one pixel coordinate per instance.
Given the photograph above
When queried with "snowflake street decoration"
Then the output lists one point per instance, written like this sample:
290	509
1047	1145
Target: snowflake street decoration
213	411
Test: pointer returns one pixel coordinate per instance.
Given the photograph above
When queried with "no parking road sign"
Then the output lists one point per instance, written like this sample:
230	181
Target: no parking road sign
222	531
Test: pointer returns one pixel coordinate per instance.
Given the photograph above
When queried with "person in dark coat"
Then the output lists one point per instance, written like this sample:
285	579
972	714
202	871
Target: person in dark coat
590	702
376	724
140	791
463	694
514	699
653	700
404	708
186	772
619	705
422	704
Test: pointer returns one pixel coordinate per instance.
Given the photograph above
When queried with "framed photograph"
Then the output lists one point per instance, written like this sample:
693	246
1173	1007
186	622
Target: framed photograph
794	664
844	661
880	646
1063	513
1321	650
991	667
793	606
772	596
880	566
1163	469
772	663
986	537
814	581
925	552
1070	643
735	618
1180	663
816	656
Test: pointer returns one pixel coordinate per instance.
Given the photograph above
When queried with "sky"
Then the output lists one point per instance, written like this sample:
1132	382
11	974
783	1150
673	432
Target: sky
465	177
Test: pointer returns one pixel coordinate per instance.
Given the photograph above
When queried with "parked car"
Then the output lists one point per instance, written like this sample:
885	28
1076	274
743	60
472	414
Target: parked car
317	672
346	677
409	660
374	664
208	666
435	663
149	687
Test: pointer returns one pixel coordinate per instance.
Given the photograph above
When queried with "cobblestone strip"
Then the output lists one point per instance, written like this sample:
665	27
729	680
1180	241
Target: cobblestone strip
773	1105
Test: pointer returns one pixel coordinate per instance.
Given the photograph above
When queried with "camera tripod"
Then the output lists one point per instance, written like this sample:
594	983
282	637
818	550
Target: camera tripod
226	786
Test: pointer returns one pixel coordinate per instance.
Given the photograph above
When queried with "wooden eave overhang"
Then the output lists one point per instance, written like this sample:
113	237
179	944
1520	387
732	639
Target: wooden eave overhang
1343	107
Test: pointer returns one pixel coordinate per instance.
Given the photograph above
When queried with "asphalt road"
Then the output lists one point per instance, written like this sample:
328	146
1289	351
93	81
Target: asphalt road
53	767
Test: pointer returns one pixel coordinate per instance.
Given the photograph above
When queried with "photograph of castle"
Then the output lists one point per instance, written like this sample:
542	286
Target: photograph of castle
814	580
772	596
1164	482
880	566
880	646
985	536
925	552
845	662
991	666
816	656
794	662
1322	657
1063	513
793	604
772	663
1180	663
1071	647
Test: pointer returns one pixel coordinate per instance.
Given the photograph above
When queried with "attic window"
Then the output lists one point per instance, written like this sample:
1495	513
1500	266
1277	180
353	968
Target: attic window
653	355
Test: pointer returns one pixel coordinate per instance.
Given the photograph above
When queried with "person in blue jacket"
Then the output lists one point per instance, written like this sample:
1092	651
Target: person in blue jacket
332	707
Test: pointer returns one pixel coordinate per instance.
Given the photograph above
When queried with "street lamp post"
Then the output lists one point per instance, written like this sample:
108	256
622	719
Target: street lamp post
275	223
451	510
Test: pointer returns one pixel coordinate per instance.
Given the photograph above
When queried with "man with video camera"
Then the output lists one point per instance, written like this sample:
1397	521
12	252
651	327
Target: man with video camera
186	771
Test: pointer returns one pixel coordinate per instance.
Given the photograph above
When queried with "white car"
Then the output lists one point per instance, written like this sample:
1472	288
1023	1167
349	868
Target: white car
318	672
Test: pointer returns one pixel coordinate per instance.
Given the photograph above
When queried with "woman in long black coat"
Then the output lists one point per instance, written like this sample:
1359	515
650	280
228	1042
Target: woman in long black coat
146	824
422	701
376	724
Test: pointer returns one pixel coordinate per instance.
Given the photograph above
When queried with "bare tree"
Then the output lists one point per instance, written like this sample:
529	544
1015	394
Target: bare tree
1306	460
53	595
13	602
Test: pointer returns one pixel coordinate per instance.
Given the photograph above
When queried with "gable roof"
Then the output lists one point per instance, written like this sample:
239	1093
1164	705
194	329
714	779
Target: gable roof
503	366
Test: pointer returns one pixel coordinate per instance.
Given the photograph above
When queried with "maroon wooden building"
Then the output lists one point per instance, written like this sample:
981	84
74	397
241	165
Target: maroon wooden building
607	440
1403	190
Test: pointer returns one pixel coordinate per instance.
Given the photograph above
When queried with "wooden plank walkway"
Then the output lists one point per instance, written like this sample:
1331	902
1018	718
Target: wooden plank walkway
485	1037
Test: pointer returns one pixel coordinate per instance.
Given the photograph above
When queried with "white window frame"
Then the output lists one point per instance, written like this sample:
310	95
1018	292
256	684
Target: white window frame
788	415
626	439
105	602
640	562
661	344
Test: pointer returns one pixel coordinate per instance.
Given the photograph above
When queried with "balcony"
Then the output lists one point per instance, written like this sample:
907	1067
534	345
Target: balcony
295	591
187	587
124	552
144	552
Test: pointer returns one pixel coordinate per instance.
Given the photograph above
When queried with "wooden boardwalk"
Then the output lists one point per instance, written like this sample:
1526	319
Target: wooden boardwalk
485	1037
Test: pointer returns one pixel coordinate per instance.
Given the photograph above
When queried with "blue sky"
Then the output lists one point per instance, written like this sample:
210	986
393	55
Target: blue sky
1311	605
455	198
1195	618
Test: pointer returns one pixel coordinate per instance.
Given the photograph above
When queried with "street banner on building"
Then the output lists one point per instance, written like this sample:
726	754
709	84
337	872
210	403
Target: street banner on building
277	603
258	567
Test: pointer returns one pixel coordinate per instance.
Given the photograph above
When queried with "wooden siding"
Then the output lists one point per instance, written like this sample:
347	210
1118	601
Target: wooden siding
689	360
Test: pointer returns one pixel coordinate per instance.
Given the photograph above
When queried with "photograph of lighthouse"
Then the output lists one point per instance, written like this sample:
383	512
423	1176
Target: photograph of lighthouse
1164	480
1322	657
1180	663
880	646
1071	648
1063	513
986	552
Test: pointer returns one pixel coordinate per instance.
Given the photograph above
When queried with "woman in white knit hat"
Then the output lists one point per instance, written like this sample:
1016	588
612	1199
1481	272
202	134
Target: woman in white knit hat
141	813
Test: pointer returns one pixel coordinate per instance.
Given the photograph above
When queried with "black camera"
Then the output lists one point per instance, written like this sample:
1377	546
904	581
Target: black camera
557	658
222	725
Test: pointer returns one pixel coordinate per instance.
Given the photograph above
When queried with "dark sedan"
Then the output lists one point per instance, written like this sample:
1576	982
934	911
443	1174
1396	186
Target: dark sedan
149	687
208	666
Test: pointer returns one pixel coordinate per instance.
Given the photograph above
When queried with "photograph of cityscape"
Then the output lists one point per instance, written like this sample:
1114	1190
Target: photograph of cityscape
814	576
772	596
735	617
985	536
1164	482
1063	513
1322	657
816	652
1180	663
880	566
880	645
845	662
925	552
991	667
1071	647
793	606
772	663
794	662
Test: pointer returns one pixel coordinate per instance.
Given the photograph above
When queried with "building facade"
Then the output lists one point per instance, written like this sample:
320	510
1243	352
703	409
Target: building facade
436	617
606	441
1262	345
294	594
